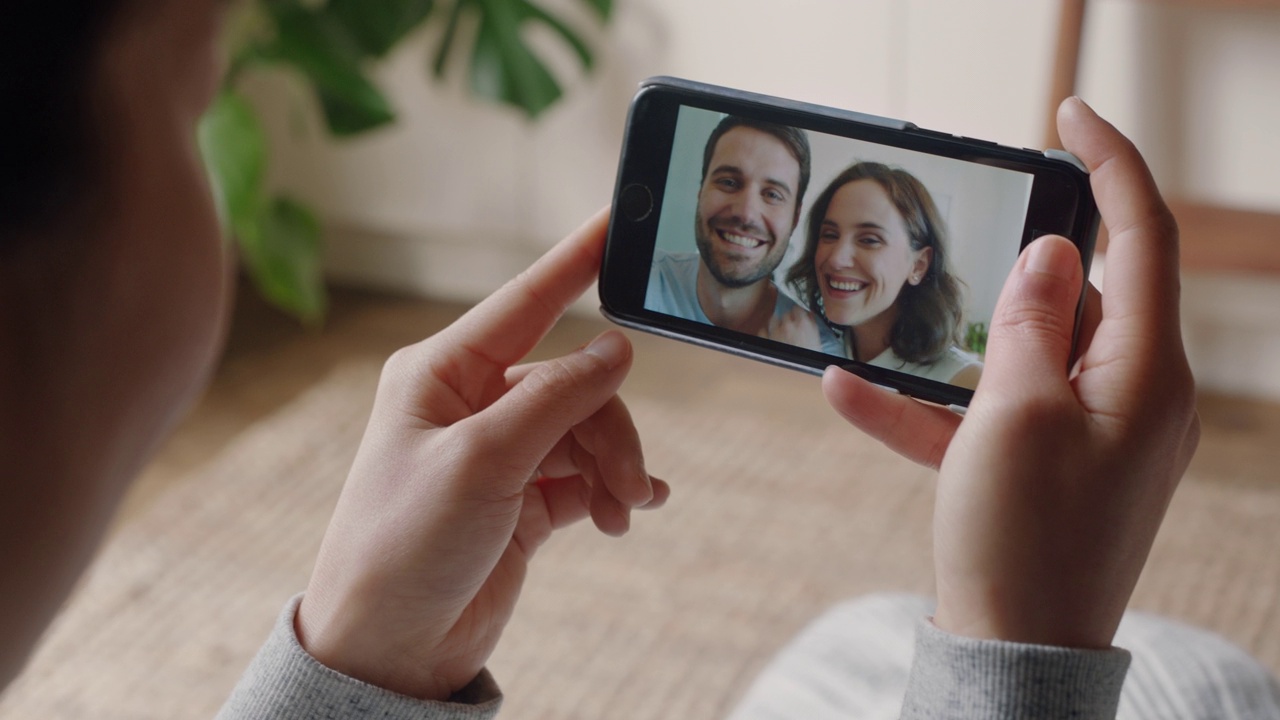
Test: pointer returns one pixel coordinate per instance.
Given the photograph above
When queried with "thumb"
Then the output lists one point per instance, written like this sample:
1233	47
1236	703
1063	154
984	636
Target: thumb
522	426
1029	343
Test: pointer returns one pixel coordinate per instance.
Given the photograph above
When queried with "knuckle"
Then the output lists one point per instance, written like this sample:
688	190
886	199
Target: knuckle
1163	418
1154	219
1031	321
412	360
396	363
1164	224
465	449
487	464
558	376
559	382
1192	440
1042	415
1181	393
405	370
1169	388
397	357
937	452
397	371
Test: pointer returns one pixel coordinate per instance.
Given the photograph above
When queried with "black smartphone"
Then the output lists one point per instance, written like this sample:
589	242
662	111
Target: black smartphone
806	236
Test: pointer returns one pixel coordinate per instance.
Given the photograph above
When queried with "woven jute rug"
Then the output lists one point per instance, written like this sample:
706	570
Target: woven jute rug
778	512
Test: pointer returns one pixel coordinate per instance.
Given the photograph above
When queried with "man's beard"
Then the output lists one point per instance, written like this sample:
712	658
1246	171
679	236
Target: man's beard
702	235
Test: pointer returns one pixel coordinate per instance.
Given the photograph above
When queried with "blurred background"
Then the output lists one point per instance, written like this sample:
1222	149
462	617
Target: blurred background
458	194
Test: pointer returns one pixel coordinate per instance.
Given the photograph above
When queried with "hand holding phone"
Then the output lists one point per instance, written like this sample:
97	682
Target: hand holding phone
805	236
1053	487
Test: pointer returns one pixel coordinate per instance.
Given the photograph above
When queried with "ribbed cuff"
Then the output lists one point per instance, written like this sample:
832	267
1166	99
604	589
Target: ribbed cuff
960	677
284	681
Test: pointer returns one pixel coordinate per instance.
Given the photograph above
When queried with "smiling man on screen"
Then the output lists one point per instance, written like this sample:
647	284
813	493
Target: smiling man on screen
754	175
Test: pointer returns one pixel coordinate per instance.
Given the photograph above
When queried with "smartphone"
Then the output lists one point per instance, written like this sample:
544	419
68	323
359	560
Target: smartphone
806	236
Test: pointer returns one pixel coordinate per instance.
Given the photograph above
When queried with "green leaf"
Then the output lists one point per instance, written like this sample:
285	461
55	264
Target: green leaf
279	240
346	118
377	25
504	68
450	33
534	12
234	148
327	53
284	260
603	7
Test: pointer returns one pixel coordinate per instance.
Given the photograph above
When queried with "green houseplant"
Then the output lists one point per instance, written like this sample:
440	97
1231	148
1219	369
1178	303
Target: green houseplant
330	45
975	338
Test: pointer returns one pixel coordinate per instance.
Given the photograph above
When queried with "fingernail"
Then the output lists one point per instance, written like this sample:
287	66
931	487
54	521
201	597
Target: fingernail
611	347
1052	257
646	494
1083	104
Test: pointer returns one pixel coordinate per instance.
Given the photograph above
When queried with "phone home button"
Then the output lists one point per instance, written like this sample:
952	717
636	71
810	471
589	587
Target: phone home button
636	202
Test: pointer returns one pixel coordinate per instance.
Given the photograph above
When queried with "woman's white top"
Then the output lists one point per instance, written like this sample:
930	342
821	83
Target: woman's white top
951	363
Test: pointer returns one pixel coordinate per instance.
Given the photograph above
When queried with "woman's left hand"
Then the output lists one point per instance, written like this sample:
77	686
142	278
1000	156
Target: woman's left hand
468	464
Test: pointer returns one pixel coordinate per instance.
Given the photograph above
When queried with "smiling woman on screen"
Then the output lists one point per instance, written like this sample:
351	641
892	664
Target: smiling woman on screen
874	266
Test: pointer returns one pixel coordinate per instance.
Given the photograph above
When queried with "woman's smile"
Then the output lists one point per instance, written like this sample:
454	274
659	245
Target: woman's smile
842	285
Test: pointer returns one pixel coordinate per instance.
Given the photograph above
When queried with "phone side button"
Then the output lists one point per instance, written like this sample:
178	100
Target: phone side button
958	409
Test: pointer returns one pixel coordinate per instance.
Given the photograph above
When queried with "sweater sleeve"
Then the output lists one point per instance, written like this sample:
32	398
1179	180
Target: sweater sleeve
959	677
283	681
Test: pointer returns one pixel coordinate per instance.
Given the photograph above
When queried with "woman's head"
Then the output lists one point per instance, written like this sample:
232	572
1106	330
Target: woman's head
875	261
73	75
112	272
47	52
112	266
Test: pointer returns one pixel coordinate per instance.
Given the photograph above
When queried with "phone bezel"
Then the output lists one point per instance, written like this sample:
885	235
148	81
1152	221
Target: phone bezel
1061	203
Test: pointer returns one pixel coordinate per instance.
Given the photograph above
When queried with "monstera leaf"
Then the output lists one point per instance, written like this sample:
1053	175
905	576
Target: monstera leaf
279	239
331	45
503	66
318	44
378	25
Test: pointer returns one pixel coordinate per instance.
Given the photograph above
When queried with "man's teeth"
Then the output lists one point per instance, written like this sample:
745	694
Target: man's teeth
847	285
741	240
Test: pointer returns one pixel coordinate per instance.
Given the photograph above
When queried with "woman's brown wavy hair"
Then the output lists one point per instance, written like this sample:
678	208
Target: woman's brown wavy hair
930	312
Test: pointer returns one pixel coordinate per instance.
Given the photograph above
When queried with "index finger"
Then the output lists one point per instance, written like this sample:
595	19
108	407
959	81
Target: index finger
920	433
1143	253
505	326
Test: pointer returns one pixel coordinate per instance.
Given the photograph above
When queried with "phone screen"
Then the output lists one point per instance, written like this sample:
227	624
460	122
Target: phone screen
746	217
806	237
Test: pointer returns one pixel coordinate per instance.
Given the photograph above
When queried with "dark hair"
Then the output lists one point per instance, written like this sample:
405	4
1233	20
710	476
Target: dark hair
47	149
795	140
929	313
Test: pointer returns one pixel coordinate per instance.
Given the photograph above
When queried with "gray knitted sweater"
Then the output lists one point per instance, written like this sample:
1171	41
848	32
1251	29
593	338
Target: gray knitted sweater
952	677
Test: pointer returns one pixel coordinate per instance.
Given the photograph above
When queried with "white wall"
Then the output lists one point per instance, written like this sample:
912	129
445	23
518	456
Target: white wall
1199	92
460	195
454	170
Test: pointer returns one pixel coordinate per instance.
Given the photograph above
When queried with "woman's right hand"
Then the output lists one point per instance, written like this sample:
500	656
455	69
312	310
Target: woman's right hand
471	460
1052	488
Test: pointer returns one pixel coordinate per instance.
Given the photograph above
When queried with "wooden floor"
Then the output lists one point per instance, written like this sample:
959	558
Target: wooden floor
269	360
